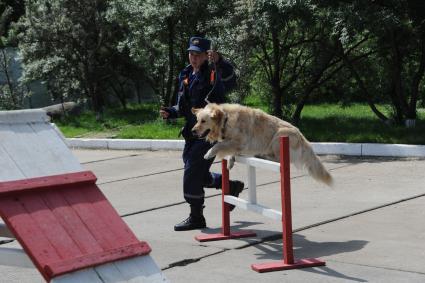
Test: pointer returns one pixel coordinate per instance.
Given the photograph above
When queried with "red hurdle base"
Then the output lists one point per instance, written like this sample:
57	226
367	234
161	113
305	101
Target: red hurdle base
281	265
220	236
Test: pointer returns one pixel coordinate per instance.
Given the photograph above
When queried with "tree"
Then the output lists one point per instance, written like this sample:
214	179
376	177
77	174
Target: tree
396	31
72	48
11	92
158	34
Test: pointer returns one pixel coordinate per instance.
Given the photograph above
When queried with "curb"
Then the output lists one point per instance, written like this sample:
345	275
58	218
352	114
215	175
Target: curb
322	148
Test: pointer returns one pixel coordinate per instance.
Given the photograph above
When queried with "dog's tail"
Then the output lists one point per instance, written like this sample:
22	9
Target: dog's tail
312	162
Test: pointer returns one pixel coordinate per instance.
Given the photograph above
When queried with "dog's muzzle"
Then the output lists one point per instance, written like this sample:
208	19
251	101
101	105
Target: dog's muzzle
201	136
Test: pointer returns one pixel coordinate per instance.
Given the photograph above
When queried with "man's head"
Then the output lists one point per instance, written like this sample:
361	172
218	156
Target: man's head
198	48
199	44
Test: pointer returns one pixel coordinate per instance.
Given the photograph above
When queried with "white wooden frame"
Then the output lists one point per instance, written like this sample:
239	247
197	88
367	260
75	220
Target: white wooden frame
251	204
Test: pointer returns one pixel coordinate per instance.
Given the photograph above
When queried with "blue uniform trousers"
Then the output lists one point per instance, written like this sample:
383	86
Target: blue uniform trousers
197	175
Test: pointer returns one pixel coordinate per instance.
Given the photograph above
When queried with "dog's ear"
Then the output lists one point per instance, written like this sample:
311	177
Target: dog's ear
217	114
195	110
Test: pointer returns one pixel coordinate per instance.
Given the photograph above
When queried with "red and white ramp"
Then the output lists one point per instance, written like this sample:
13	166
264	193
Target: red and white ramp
67	228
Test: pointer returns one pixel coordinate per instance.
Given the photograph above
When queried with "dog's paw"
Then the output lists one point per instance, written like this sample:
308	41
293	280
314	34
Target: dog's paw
209	154
230	162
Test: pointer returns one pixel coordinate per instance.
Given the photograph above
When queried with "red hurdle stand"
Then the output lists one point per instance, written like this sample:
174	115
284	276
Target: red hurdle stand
288	255
225	208
288	261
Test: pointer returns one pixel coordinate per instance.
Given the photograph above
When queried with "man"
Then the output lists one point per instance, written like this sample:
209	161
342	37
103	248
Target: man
199	84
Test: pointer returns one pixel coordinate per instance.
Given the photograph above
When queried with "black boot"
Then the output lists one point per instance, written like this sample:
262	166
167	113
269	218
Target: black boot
235	188
195	220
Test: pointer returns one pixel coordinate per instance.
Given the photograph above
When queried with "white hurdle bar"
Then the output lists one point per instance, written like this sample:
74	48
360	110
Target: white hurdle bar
285	216
251	205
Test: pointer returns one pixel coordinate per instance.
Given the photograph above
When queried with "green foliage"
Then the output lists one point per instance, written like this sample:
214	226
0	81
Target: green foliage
72	49
355	123
290	53
137	121
321	123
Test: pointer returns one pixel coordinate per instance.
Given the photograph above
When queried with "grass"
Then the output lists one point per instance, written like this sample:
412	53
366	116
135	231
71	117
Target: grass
319	123
136	122
356	123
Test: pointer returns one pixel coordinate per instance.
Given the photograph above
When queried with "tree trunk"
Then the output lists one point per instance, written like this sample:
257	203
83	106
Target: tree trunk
363	88
411	112
275	75
170	80
277	101
398	95
5	67
296	117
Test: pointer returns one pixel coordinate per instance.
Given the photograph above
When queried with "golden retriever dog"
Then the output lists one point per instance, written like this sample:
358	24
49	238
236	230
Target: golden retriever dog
240	130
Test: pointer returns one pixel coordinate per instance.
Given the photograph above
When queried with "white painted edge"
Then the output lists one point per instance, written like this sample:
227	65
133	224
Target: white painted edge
23	116
259	163
257	208
321	148
5	232
140	144
15	257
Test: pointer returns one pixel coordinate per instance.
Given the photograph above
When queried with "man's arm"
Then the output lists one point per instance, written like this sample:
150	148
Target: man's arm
227	73
174	112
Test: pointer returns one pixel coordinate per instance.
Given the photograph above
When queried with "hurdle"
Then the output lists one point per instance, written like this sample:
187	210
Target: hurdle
288	261
64	225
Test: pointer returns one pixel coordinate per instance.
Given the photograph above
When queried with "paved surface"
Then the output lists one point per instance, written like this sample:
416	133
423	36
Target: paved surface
368	228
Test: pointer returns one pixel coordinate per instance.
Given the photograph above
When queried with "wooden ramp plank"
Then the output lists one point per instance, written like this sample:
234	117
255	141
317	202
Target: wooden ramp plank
109	273
30	147
140	269
9	169
53	232
110	216
85	208
88	275
19	222
72	223
15	142
20	141
58	205
62	156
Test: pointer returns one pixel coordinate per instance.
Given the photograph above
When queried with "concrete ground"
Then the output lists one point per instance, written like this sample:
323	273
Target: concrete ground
368	228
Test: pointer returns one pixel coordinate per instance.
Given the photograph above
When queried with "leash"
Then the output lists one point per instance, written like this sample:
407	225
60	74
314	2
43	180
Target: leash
213	76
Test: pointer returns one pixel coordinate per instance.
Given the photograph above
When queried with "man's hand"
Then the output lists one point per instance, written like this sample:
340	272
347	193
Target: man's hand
164	113
213	56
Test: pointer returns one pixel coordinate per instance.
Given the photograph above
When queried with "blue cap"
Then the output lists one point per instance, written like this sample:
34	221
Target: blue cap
199	44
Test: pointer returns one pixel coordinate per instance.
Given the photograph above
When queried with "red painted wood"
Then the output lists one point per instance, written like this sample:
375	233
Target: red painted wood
53	232
97	213
285	185
70	221
67	225
48	182
225	228
92	218
28	233
70	265
120	231
288	255
282	265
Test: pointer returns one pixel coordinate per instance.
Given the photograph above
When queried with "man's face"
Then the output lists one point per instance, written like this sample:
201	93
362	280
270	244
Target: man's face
196	59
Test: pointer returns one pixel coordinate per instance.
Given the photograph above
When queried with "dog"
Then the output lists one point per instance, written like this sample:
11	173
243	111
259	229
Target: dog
239	130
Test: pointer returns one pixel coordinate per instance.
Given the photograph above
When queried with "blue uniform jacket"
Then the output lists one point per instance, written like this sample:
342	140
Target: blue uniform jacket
193	91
